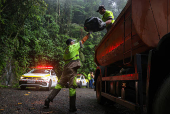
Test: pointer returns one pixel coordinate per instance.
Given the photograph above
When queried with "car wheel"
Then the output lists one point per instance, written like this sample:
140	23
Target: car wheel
22	87
49	86
87	86
80	84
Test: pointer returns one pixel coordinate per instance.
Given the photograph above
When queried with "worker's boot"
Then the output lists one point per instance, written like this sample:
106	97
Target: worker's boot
73	104
51	97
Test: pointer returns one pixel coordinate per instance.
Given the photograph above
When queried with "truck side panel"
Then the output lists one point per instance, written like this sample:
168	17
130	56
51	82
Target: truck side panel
151	19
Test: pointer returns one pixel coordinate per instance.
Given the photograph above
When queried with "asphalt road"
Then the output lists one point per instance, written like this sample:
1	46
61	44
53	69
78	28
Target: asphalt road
31	101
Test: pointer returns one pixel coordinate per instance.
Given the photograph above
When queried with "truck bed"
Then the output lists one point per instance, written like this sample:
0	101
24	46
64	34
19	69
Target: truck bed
136	30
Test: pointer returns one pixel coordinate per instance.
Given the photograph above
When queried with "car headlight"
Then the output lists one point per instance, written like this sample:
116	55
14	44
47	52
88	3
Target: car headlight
21	77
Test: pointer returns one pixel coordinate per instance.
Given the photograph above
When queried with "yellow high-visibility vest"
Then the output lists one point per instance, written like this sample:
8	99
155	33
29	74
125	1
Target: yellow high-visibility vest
71	53
107	15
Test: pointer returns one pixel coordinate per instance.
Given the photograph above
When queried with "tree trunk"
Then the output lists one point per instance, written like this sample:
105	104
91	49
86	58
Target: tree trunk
58	7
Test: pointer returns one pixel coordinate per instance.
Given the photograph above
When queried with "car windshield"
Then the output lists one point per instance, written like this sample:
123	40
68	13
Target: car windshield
82	77
78	76
44	71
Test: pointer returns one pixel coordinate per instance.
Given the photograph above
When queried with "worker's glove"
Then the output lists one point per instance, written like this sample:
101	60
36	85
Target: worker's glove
102	25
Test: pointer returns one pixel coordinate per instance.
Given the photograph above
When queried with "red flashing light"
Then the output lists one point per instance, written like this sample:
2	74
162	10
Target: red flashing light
45	67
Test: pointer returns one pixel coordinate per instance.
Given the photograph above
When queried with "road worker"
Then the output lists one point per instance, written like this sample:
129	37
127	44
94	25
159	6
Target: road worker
89	78
92	80
108	17
72	63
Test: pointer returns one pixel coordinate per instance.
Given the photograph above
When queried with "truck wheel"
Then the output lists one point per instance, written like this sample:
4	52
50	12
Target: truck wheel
100	99
162	99
49	86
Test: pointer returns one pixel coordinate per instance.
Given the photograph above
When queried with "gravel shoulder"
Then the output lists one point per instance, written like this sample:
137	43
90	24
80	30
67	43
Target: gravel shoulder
31	101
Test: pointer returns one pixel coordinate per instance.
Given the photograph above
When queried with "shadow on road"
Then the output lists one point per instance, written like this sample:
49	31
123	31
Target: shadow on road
33	89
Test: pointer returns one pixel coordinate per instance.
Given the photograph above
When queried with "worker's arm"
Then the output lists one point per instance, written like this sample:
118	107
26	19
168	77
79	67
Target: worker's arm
103	24
108	21
85	38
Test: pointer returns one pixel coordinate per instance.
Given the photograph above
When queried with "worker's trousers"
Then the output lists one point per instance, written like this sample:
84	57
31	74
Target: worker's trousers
91	83
69	75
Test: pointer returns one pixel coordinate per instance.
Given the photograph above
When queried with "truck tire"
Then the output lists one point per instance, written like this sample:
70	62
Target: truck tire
100	99
162	99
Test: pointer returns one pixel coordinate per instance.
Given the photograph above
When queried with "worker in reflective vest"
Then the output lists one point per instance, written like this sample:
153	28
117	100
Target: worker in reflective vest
72	63
89	78
108	17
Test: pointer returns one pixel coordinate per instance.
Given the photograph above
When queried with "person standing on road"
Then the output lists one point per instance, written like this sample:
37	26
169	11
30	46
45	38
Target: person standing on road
89	78
92	80
72	63
108	17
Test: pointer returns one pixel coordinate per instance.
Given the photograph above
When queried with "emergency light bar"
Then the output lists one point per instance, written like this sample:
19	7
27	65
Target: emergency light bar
45	67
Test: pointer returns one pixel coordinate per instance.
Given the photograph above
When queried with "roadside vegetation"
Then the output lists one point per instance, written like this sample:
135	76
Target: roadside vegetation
33	32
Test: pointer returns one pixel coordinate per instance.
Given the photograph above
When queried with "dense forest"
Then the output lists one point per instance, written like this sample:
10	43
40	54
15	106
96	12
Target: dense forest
34	32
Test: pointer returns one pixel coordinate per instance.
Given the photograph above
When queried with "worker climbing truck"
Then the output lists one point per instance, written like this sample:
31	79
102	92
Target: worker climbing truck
133	58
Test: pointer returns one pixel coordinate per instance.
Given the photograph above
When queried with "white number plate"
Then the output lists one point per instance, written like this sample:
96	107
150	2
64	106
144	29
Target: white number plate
30	81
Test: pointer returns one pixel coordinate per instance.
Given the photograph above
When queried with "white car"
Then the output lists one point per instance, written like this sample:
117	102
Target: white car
81	81
39	77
